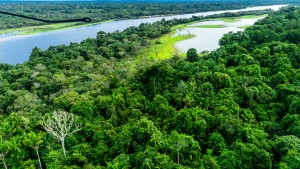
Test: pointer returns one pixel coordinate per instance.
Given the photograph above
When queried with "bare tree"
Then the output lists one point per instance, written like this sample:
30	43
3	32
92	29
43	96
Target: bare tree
61	125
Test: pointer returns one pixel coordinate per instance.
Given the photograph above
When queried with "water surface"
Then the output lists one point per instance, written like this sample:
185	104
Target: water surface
207	39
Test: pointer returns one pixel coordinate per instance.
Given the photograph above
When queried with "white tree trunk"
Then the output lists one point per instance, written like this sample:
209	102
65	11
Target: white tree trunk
4	164
177	156
37	153
63	146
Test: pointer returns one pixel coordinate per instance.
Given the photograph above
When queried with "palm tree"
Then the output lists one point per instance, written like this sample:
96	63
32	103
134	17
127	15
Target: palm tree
34	140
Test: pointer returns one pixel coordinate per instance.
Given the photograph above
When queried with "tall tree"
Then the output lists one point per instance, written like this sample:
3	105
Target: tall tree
178	142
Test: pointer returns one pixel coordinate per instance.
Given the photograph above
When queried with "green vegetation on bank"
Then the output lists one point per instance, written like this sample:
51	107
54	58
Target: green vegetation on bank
46	28
236	107
41	28
244	27
164	47
211	26
235	19
252	16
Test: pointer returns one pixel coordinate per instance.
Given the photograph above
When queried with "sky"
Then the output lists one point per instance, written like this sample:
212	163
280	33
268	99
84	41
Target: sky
270	1
129	0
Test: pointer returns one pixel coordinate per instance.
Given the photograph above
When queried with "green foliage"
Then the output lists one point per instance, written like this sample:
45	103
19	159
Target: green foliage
250	156
288	149
235	107
217	143
33	140
192	55
122	161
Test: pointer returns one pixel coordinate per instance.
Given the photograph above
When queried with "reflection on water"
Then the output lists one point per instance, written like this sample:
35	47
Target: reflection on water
207	39
6	35
243	22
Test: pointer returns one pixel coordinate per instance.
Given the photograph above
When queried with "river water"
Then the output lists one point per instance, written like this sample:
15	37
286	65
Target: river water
17	49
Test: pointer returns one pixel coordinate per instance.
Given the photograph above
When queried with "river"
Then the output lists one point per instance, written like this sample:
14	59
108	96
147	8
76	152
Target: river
17	49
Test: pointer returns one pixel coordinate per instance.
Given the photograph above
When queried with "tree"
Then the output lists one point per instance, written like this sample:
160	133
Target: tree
210	161
25	103
61	125
34	140
251	156
11	147
192	55
216	143
121	161
178	142
189	121
291	160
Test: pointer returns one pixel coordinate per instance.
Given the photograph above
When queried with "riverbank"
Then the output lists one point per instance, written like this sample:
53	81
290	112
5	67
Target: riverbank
235	19
47	28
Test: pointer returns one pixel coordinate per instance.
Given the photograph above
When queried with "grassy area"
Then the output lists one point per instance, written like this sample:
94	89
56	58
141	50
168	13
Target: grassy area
46	28
244	27
181	26
211	26
252	16
40	28
235	19
228	20
163	47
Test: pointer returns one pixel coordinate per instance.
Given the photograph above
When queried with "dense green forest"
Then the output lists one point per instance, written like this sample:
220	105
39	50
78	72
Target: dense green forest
91	105
99	11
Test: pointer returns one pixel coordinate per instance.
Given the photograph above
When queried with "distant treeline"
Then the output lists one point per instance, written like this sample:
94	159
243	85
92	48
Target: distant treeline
98	11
